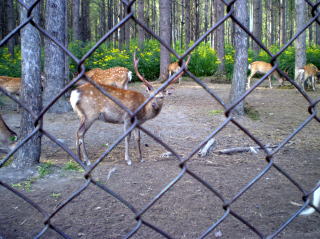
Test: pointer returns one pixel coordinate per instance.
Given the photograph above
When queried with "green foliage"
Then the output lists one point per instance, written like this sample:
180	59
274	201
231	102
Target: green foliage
216	112
44	169
10	66
72	166
204	61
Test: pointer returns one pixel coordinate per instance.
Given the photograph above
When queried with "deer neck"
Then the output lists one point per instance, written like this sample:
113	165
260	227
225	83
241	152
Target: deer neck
153	108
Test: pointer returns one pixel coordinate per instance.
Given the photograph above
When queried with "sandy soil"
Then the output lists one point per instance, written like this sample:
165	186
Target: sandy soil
188	208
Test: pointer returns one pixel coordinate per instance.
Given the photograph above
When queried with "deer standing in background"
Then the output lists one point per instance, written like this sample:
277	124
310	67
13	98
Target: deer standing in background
308	72
7	137
10	84
90	105
115	76
174	68
262	68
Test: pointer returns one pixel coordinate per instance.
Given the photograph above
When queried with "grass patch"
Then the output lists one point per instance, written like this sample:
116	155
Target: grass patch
72	166
251	112
55	195
44	169
25	185
216	112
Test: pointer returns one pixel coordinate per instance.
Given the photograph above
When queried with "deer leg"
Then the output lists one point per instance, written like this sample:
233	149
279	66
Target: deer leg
82	152
249	79
270	85
138	140
127	141
313	82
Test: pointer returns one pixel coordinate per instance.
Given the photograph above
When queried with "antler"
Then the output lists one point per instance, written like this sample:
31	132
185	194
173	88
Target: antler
135	63
181	73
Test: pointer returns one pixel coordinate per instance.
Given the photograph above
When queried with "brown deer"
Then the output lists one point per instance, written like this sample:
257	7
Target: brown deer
7	137
115	76
10	84
90	105
262	68
308	72
174	68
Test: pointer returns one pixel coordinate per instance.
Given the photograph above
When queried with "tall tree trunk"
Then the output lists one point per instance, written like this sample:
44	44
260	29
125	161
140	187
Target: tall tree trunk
197	20
141	34
85	23
300	42
182	23
318	34
54	64
76	19
122	29
283	34
30	94
220	38
165	32
10	25
188	25
239	78
2	20
102	26
257	24
127	28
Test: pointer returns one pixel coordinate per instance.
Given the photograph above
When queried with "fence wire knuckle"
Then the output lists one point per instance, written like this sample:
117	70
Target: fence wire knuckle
226	205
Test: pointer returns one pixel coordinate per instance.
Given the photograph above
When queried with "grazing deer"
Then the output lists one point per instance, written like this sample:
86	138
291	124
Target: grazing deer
10	84
115	76
308	72
174	68
7	137
90	105
262	68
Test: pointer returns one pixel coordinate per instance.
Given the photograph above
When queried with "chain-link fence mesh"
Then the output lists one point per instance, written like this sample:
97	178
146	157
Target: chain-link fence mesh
183	165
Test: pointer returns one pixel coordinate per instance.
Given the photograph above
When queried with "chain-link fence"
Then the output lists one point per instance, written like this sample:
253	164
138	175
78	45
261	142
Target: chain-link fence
141	222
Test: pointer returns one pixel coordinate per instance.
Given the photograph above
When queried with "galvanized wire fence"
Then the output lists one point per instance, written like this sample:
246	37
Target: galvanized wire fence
184	170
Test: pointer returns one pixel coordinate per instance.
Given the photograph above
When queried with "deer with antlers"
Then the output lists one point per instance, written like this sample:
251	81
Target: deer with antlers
115	76
91	104
262	67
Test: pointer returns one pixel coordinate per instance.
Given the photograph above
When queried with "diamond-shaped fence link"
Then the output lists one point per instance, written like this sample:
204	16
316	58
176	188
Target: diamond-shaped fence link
183	165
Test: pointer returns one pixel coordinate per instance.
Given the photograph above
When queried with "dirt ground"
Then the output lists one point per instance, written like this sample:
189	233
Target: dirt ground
188	208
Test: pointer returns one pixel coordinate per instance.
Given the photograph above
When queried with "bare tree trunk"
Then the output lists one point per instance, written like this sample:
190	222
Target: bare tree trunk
220	38
318	34
30	94
257	24
197	16
239	78
165	32
85	23
54	65
76	19
300	42
140	29
182	23
10	25
127	30
103	25
2	20
187	25
283	34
